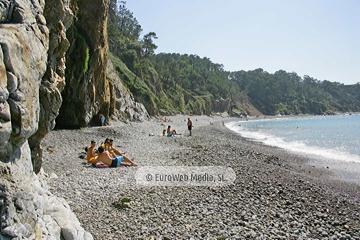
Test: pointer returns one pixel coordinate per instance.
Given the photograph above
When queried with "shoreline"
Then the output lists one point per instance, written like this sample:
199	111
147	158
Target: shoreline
276	194
341	170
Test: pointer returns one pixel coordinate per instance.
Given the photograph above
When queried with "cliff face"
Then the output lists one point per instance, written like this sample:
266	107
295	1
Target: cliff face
31	77
87	91
59	18
90	90
23	55
53	60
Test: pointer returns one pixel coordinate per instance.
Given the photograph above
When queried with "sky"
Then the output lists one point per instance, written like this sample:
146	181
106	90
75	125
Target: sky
319	38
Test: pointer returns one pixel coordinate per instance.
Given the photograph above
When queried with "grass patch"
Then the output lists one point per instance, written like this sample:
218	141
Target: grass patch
149	193
122	203
85	56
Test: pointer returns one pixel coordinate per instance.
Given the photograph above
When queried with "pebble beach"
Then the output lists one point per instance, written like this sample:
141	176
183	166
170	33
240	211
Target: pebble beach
276	194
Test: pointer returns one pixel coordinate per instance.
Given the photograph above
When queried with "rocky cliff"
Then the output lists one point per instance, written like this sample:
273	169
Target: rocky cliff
87	91
53	60
30	73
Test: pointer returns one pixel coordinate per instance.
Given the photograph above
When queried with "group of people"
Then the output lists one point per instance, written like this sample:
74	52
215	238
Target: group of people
107	156
167	120
169	133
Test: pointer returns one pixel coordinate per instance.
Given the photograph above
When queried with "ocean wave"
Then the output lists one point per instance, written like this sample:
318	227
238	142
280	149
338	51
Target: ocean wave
301	147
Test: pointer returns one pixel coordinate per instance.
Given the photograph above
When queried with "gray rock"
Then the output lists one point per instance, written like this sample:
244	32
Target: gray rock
12	82
29	104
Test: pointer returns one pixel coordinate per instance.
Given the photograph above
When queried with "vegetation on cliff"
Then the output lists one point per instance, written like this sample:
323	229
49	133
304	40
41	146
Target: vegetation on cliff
173	83
288	93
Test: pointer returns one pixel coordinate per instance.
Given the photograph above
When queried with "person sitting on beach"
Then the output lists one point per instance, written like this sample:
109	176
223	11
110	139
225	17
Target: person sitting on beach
113	150
170	132
103	144
116	153
91	155
108	147
104	157
106	144
164	133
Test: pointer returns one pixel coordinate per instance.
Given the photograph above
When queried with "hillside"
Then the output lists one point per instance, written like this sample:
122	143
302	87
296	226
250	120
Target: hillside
170	83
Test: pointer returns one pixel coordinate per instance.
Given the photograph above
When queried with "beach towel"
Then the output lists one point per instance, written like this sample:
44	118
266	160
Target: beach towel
92	160
102	166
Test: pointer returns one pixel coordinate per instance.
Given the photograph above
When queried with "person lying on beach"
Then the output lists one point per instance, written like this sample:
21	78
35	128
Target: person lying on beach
166	120
104	157
91	155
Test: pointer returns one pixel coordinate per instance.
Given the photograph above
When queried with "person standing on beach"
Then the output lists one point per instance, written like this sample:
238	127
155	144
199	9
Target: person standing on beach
102	119
189	124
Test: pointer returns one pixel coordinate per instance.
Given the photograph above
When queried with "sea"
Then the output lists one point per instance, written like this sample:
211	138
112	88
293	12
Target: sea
323	137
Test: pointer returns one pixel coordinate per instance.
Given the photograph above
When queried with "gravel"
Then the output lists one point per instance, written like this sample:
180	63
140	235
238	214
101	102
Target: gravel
276	195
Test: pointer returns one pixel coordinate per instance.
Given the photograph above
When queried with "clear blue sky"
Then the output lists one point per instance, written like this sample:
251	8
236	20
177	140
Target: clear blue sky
319	38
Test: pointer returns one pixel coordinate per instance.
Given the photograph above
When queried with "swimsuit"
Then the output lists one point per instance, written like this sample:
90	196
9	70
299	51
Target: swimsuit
116	161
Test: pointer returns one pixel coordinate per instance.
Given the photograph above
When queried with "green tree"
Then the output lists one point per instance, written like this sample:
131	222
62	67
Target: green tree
148	44
127	23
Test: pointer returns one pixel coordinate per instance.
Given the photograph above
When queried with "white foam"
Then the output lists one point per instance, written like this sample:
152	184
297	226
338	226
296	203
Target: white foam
294	146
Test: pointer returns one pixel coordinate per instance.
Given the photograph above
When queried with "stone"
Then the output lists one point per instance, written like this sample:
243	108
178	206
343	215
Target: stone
41	19
4	93
6	9
5	114
12	82
23	12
